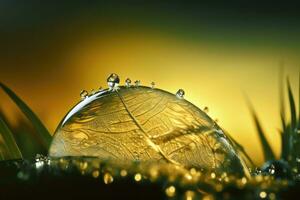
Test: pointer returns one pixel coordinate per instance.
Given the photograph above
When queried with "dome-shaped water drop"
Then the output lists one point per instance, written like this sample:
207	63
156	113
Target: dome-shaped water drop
146	125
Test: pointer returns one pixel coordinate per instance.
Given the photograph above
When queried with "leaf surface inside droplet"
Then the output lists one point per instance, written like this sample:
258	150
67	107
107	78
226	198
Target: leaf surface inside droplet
142	124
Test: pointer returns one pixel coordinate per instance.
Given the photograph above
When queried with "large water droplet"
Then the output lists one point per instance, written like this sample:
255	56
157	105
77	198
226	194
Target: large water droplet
180	93
225	160
113	81
128	82
83	94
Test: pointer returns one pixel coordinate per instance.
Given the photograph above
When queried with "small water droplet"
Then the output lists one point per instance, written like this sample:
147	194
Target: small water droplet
188	176
152	85
107	178
170	191
272	196
137	177
263	194
137	83
95	174
180	93
83	165
206	109
113	81
272	169
244	180
213	175
123	173
189	195
83	94
128	82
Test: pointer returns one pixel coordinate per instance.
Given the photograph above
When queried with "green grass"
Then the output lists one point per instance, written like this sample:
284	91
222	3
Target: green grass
11	148
41	132
290	135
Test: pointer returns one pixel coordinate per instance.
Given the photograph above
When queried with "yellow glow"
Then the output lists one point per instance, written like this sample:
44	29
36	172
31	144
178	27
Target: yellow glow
212	75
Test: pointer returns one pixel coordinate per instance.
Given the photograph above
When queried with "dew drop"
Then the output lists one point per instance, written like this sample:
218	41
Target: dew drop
189	195
137	177
128	82
152	85
170	191
205	109
272	196
213	175
113	81
137	83
83	94
95	174
263	194
123	173
272	169
107	178
180	93
188	176
83	165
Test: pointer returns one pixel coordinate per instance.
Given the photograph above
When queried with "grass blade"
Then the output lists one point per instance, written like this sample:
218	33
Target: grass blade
285	134
292	106
299	103
281	98
267	150
43	133
9	140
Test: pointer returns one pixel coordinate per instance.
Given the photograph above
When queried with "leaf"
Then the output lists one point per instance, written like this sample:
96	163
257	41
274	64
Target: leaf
267	150
144	124
292	106
10	143
43	133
